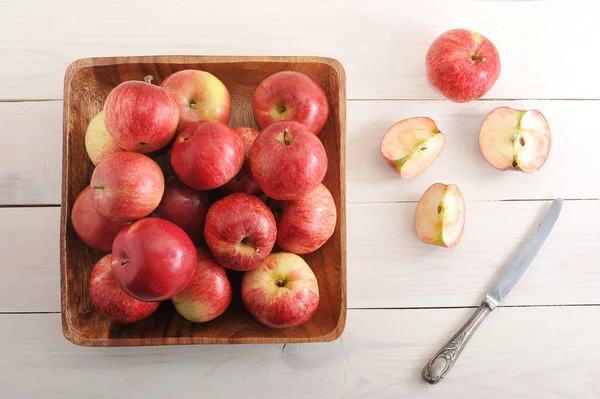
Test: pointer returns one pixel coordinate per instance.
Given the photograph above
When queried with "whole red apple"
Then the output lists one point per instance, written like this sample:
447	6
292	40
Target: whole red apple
208	295
462	64
201	96
290	95
207	155
185	207
306	223
282	292
90	226
243	182
240	231
287	161
127	186
140	116
111	301
153	259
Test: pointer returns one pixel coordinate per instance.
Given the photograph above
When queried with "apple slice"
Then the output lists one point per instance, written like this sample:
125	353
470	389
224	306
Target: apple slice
440	217
412	145
515	139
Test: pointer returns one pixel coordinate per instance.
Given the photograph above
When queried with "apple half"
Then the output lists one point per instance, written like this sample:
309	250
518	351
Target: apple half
411	145
440	216
515	139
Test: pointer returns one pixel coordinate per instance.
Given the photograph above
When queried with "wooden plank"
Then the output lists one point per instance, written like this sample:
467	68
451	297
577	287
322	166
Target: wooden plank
387	265
524	352
381	43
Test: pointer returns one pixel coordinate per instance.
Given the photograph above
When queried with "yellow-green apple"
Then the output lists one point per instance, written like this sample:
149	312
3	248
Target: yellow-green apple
287	161
515	139
282	292
153	259
290	96
306	223
243	182
208	295
240	231
201	96
207	155
111	301
185	207
462	64
127	186
90	226
411	145
141	116
98	142
440	216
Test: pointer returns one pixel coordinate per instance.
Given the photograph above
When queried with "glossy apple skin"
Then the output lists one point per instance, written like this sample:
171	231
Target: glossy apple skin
240	231
463	65
290	95
306	223
200	95
185	207
127	186
287	161
153	259
282	292
208	295
243	182
207	155
111	301
91	227
98	142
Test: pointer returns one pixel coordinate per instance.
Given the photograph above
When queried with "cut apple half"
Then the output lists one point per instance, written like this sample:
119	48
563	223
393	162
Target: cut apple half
411	145
515	139
440	216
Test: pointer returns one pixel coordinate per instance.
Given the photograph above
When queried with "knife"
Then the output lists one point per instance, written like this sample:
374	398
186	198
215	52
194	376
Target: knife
441	363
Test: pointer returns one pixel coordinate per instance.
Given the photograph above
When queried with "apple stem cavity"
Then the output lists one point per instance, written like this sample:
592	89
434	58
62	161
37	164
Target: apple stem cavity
124	262
281	108
245	241
148	79
281	283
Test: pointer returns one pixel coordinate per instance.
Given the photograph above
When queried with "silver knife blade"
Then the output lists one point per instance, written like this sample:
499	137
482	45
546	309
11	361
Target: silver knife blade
520	263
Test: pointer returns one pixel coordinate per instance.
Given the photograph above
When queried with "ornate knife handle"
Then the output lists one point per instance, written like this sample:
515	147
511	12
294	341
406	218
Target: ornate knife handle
441	363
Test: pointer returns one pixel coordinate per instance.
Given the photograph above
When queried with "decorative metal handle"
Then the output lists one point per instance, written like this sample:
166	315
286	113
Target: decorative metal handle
441	363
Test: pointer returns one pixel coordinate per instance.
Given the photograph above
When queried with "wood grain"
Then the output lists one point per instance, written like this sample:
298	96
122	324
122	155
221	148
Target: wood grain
87	83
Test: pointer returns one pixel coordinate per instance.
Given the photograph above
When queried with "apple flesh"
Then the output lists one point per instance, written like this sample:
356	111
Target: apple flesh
462	64
140	116
240	231
287	161
200	95
282	292
290	95
153	259
127	186
91	227
411	145
111	301
440	216
98	142
515	139
243	182
208	295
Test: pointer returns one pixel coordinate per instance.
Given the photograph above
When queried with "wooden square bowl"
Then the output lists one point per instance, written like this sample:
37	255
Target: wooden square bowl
87	84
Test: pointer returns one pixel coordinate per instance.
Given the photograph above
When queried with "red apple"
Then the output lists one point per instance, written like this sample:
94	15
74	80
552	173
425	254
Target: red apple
208	295
290	96
127	186
140	116
90	226
98	142
207	155
306	223
201	96
240	231
287	161
153	259
462	64
185	207
243	182
282	292
111	301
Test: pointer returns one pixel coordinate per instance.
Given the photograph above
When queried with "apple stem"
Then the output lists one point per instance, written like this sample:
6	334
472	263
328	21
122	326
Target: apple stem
285	141
99	187
248	243
124	262
148	78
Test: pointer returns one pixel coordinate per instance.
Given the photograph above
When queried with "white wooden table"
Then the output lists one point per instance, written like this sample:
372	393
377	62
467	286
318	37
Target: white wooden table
405	298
